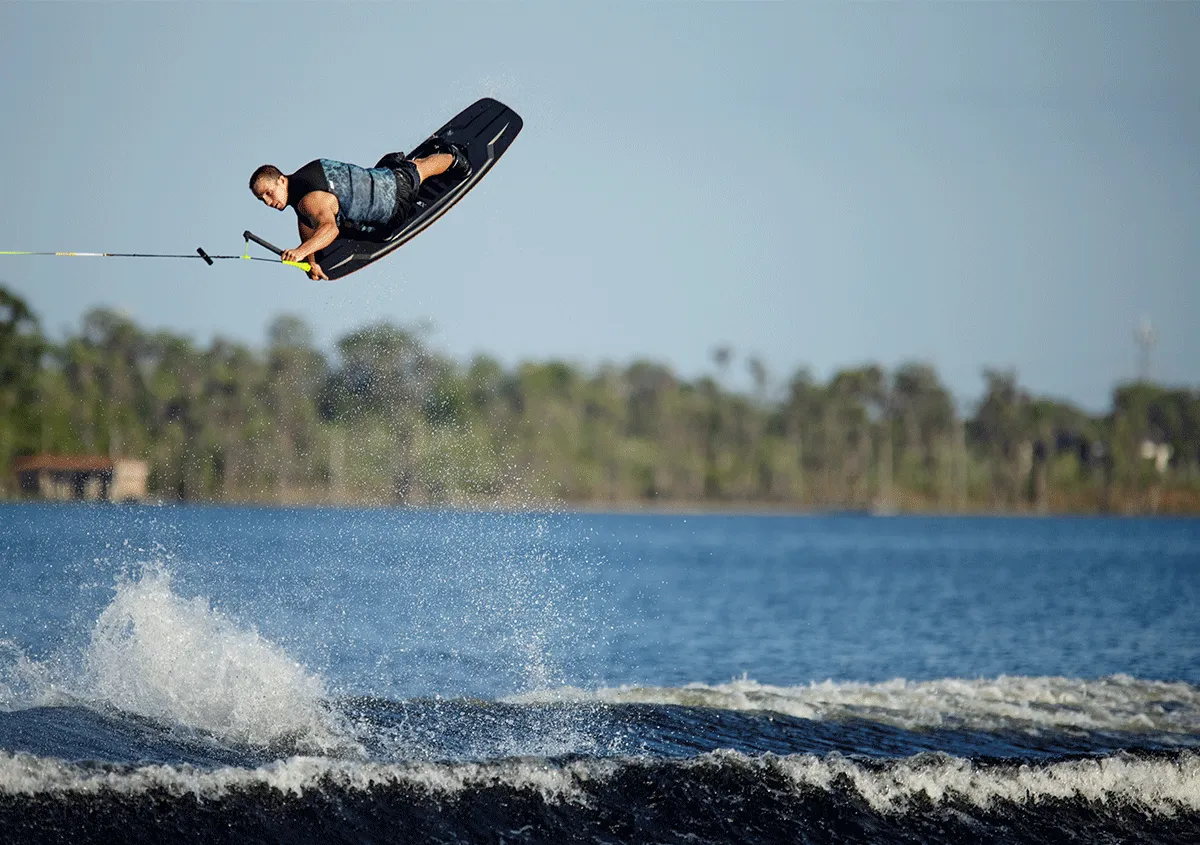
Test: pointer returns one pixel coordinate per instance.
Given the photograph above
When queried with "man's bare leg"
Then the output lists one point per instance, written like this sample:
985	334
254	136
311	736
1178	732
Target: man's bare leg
434	165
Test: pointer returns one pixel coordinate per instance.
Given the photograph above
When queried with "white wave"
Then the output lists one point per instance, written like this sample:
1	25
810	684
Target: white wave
1161	786
1027	704
181	661
25	774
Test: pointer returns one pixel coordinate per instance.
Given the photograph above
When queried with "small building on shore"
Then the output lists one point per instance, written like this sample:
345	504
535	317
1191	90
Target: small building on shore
81	478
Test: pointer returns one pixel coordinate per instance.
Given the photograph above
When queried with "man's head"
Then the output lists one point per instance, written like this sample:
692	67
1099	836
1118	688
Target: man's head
270	185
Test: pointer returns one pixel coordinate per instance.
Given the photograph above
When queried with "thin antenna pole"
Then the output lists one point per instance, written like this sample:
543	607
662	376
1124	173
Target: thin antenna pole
1146	338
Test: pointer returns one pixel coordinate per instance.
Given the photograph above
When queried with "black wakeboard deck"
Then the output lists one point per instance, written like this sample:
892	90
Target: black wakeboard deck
484	130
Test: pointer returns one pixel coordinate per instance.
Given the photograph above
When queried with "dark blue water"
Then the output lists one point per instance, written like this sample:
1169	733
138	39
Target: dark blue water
329	675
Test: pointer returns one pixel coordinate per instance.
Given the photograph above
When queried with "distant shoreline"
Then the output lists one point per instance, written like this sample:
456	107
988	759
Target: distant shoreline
118	411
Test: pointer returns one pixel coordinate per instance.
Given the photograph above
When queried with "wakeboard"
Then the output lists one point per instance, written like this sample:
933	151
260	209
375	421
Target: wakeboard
483	131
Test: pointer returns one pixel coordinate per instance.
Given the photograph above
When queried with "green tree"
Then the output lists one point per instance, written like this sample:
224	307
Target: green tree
922	419
296	372
21	351
999	430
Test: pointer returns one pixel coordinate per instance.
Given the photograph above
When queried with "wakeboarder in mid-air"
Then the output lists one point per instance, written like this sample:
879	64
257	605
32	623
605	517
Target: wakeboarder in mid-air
349	216
331	196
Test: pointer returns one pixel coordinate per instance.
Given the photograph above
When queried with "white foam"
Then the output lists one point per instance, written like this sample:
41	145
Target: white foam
24	774
23	682
158	655
1027	704
1161	786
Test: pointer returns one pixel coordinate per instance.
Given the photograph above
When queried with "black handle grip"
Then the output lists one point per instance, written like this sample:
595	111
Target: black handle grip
204	255
250	236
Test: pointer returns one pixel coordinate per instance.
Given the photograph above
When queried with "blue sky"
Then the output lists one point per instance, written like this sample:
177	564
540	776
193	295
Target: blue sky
971	185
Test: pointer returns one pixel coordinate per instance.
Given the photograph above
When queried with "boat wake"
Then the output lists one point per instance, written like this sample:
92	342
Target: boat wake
177	719
1042	704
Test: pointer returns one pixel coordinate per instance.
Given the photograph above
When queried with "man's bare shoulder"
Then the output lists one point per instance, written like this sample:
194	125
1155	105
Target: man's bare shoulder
318	204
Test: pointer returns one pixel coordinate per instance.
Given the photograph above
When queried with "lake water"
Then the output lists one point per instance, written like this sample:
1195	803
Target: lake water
255	674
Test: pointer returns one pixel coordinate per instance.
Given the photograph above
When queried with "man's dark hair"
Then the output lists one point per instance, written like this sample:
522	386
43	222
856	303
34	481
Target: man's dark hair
267	171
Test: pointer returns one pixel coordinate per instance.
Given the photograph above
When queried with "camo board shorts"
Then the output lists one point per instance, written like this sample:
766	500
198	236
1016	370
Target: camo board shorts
408	182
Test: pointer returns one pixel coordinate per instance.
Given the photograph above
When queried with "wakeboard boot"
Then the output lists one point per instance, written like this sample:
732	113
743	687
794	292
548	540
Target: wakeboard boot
392	161
461	166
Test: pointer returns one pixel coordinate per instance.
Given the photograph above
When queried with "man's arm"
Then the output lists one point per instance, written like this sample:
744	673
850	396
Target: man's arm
304	229
306	232
321	208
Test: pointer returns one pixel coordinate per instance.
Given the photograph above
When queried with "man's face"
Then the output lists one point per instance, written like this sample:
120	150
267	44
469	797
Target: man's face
273	192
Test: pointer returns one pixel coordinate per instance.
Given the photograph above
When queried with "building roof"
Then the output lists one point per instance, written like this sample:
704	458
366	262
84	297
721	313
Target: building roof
62	463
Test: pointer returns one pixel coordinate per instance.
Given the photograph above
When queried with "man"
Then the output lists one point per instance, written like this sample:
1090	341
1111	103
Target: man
332	196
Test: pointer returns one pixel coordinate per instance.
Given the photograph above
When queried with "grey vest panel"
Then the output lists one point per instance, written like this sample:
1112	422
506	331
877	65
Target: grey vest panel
366	198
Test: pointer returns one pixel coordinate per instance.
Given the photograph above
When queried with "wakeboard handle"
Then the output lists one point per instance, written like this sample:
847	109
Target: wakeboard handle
250	236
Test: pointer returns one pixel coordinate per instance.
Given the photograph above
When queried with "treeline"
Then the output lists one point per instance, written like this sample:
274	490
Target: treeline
389	420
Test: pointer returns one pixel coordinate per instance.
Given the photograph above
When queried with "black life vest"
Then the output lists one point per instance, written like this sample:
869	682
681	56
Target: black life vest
366	198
